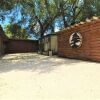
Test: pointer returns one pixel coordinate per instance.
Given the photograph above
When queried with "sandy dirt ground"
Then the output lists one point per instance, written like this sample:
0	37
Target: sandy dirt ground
36	77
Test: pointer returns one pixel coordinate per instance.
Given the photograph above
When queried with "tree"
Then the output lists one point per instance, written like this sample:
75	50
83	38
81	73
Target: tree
40	15
91	8
70	11
15	31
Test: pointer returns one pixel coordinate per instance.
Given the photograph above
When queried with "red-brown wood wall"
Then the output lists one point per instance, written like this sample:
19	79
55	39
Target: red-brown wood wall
90	48
21	46
16	46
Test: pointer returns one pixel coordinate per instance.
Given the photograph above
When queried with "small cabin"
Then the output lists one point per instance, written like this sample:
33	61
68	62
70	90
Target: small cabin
48	43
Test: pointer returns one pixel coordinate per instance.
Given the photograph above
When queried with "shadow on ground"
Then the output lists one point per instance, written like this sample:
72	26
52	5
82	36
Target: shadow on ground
33	62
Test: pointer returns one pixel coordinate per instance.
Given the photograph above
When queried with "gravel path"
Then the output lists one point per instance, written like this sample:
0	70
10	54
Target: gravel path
36	77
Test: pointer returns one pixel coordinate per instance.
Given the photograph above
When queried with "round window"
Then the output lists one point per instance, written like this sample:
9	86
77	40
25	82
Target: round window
75	40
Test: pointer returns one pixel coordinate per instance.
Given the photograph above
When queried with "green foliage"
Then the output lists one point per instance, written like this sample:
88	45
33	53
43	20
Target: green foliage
43	13
15	31
91	8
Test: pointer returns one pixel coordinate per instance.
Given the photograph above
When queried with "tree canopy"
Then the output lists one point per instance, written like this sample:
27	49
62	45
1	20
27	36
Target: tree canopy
15	31
40	17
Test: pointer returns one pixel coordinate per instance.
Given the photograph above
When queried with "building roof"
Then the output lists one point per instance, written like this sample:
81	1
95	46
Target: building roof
49	35
23	40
